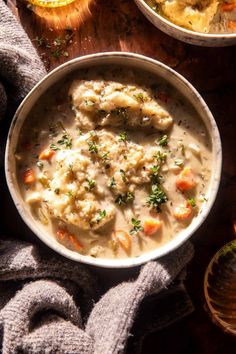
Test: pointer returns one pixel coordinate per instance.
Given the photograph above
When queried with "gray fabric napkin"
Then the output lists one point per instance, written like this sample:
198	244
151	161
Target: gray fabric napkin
49	304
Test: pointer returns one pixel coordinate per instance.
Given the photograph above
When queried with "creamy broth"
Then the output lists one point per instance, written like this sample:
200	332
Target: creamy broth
113	163
207	16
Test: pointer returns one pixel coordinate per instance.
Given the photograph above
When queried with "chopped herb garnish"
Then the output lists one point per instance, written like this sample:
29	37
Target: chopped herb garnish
70	194
124	199
112	183
105	156
160	156
57	191
123	176
120	112
58	41
101	215
66	141
40	41
129	197
136	226
155	177
156	197
123	136
91	184
163	141
179	162
140	97
54	147
192	202
39	164
93	148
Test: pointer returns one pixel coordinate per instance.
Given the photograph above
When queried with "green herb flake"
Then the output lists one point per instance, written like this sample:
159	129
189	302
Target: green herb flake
155	177
70	194
124	199
101	215
136	226
104	156
120	112
65	141
40	41
140	97
123	176
192	202
54	147
163	141
160	157
112	183
157	197
91	184
93	147
123	136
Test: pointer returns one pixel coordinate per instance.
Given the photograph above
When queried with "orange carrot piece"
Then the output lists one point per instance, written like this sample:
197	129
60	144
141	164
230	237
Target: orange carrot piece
151	226
123	238
183	212
68	239
185	180
29	176
46	154
228	7
231	25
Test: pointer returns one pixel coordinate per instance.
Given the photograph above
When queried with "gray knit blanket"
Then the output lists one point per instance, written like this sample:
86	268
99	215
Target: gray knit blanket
49	304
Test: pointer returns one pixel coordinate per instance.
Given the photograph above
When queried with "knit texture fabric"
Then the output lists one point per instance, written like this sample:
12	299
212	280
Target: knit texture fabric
20	66
42	297
49	304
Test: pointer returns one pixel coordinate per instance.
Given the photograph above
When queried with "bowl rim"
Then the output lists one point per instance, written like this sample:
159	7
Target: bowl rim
159	252
197	35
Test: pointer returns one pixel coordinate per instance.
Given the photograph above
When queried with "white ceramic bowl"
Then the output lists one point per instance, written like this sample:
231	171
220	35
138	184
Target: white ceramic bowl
183	34
132	61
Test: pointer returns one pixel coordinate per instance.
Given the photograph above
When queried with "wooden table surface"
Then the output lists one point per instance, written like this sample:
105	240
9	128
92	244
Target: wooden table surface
90	26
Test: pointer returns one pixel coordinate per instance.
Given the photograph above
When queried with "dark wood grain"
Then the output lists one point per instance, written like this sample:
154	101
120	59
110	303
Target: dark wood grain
118	25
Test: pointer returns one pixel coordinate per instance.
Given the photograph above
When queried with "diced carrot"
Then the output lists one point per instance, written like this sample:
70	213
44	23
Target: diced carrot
228	7
231	25
183	212
185	180
29	176
68	239
151	226
123	238
46	154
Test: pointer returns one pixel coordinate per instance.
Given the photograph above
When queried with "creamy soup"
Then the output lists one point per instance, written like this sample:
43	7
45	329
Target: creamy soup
113	163
207	16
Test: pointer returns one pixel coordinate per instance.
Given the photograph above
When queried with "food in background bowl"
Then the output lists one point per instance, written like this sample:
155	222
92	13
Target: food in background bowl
114	162
206	16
